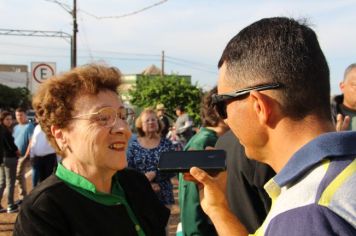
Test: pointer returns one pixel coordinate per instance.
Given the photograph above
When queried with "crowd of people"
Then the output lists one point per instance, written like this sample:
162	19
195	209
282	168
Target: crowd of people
23	144
290	163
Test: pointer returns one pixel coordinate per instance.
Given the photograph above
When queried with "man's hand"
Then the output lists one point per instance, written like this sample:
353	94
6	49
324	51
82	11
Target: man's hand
342	123
212	191
214	203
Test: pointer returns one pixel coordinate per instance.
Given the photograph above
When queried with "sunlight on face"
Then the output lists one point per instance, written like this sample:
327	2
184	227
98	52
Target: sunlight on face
21	117
149	122
93	144
348	88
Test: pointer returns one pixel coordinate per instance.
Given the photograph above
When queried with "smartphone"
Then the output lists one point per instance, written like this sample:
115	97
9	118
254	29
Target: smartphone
182	161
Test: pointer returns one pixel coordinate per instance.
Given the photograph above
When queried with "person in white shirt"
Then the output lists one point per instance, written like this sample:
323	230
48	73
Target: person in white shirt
42	155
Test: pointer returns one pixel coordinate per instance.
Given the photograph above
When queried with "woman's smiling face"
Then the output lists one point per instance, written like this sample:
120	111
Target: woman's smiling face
93	144
149	122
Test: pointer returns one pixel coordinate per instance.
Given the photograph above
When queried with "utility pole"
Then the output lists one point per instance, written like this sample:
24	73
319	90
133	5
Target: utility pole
74	36
162	64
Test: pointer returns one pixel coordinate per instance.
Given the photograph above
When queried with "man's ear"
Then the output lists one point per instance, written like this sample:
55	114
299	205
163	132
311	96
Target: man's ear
341	86
262	106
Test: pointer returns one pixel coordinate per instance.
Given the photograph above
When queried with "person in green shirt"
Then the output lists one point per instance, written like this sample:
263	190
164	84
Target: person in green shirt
193	220
92	192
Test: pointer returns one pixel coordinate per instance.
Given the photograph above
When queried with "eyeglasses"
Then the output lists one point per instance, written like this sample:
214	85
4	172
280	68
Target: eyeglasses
106	116
219	101
151	120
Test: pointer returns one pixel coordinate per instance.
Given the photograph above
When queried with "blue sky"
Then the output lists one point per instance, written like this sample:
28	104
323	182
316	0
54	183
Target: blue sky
193	33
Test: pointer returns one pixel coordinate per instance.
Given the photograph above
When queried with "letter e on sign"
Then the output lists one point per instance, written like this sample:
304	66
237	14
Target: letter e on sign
43	71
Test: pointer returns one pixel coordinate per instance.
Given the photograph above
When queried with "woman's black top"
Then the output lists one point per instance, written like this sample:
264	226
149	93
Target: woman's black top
53	208
8	144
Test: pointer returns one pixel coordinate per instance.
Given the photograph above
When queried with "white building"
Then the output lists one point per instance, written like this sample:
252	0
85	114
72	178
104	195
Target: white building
15	76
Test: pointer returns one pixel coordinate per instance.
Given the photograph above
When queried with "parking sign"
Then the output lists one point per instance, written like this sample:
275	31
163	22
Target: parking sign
42	71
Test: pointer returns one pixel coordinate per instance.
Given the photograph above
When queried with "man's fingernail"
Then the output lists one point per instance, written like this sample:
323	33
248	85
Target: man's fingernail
194	170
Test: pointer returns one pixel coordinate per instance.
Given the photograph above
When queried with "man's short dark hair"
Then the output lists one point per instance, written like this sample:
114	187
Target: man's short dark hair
180	108
285	51
20	109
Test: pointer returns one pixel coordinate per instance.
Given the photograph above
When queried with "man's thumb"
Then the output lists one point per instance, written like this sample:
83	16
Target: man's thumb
199	175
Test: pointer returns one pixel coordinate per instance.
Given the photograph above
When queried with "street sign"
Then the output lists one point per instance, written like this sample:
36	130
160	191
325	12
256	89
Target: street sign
42	71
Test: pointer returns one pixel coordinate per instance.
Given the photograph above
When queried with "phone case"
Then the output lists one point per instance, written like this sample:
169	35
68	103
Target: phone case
182	161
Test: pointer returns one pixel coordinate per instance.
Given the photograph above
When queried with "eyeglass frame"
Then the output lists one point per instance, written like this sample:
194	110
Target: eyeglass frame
219	100
153	120
98	112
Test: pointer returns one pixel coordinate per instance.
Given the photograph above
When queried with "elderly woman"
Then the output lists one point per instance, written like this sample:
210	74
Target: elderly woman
91	192
144	151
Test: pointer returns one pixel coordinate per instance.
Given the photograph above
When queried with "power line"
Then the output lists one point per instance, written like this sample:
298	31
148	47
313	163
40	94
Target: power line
192	67
105	58
66	7
123	15
97	51
132	57
84	56
86	41
188	61
34	55
29	46
73	12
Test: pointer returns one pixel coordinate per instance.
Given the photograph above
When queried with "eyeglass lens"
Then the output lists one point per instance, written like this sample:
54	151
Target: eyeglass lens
152	120
220	108
107	116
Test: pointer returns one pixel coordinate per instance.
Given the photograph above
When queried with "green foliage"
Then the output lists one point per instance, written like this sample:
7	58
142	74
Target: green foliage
11	98
169	90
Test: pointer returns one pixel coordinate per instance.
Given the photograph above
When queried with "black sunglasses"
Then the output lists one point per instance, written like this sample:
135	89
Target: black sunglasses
219	100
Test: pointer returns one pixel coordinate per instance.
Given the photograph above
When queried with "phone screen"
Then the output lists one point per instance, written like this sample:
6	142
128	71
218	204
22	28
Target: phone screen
182	161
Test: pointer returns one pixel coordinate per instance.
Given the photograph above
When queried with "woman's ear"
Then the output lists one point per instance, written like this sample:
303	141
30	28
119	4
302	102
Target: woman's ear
58	136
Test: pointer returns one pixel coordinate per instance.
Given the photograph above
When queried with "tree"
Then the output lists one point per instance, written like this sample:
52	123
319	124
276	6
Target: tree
11	98
171	91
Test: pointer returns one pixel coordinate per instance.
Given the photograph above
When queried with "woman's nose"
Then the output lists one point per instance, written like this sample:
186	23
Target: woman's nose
121	126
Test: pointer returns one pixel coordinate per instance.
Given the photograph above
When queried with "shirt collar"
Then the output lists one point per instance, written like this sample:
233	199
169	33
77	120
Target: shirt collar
74	179
326	145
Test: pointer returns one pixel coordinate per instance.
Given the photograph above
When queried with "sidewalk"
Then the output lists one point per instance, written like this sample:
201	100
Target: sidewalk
7	220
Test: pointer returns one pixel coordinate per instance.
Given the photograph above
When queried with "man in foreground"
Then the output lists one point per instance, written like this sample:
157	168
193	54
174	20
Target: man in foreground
273	92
